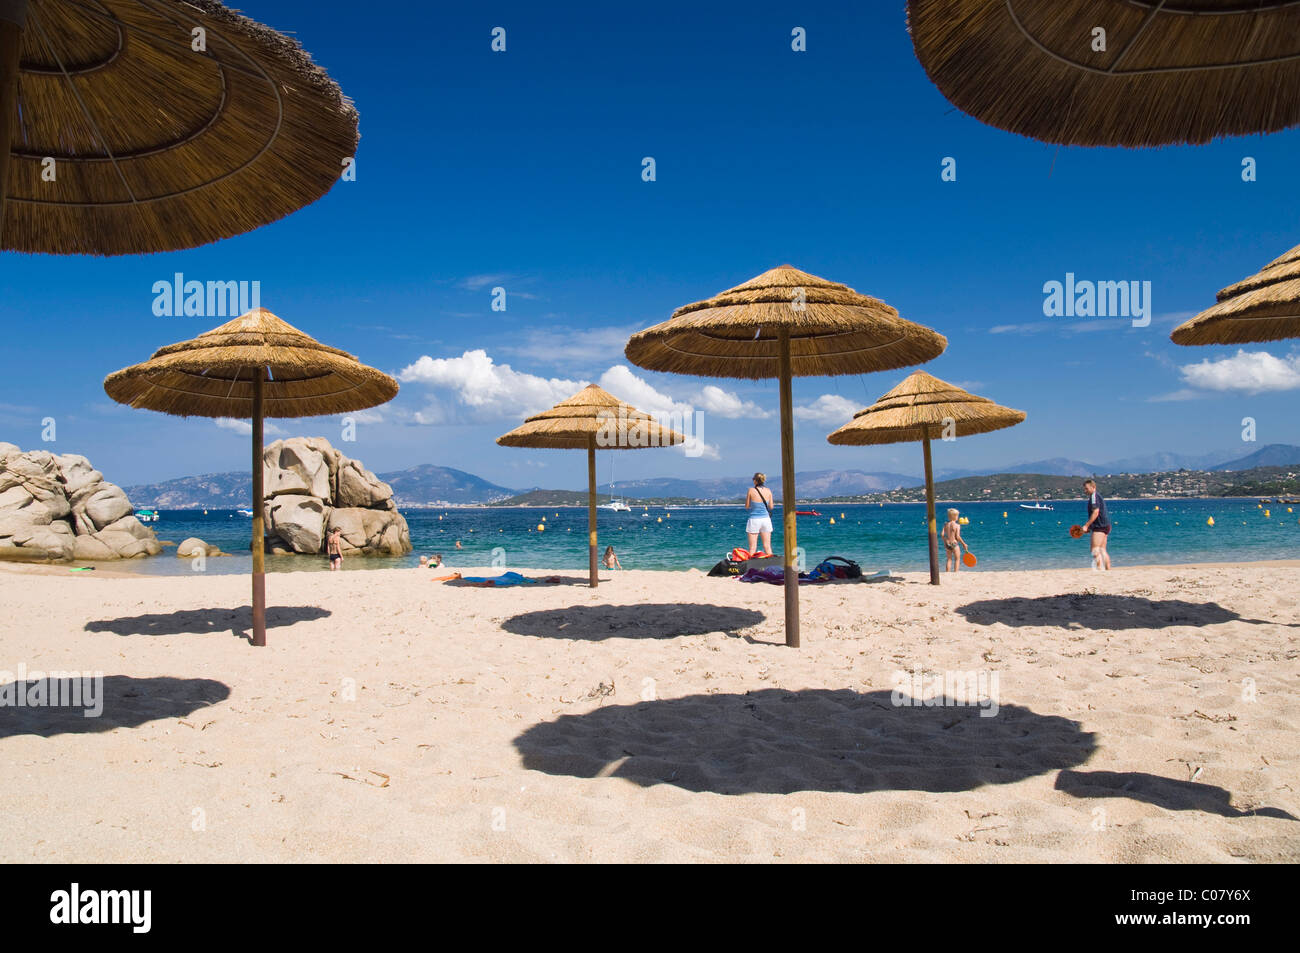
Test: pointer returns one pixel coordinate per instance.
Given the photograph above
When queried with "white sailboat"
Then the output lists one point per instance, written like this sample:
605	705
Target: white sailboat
614	505
1036	505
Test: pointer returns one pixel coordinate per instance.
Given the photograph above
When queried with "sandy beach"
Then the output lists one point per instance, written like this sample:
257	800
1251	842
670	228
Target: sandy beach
1145	715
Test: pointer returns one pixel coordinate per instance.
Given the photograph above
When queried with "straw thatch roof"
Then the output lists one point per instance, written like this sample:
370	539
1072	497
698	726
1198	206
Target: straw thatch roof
156	146
1173	71
1263	307
921	406
833	330
592	412
212	375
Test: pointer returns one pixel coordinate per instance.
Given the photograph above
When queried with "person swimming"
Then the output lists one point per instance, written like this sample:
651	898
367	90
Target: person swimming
758	506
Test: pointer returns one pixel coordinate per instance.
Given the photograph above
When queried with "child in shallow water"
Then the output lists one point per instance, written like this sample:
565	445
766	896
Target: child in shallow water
611	561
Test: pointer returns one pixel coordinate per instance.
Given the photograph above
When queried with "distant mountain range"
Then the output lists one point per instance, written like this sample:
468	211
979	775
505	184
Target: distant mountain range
809	483
218	491
427	483
416	486
1272	455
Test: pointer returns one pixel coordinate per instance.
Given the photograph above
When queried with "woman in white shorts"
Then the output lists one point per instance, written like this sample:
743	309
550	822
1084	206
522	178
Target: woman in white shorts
758	505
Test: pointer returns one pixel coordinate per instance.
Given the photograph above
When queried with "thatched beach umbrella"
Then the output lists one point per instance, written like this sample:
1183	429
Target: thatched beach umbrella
923	408
133	126
1163	71
1263	307
785	323
256	366
591	420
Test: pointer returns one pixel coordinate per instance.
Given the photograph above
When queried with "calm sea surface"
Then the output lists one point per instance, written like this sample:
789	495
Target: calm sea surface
878	537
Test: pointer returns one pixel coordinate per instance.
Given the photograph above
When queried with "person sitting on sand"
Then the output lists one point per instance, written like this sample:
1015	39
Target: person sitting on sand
334	547
1099	523
435	560
611	561
952	541
758	505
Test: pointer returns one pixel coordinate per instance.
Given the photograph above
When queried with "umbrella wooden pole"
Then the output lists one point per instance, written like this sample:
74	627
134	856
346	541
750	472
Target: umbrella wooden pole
929	512
591	511
12	15
259	532
788	533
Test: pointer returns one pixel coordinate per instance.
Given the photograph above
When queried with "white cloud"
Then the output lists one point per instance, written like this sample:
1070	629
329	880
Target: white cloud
726	403
245	427
629	387
620	381
831	410
1245	372
488	390
696	448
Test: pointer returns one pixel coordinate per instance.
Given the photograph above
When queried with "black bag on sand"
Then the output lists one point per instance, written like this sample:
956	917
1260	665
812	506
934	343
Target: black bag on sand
727	567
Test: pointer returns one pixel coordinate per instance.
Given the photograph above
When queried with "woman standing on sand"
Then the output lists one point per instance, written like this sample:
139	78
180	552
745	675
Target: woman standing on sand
758	505
334	548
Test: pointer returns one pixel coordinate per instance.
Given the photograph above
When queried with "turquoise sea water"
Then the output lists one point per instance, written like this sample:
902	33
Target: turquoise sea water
879	537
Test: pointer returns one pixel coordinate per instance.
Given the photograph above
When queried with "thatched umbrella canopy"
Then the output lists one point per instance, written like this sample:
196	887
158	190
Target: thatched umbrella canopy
591	420
1263	307
156	145
785	323
256	366
922	408
1171	71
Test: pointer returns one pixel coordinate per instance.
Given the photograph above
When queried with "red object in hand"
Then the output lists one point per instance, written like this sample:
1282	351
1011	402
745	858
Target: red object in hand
969	559
1076	531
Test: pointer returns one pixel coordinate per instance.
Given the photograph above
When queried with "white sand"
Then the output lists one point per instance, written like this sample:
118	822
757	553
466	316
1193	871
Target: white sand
511	725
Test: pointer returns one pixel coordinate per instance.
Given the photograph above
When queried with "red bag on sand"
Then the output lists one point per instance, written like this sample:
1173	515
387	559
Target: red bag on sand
739	555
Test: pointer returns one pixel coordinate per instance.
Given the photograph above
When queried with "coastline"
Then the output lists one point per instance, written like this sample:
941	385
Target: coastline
115	570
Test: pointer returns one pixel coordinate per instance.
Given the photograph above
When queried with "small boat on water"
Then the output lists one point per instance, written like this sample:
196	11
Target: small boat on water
244	512
806	513
615	506
1037	505
147	516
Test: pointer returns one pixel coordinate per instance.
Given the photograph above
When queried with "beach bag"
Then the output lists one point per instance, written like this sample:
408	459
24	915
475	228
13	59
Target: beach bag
849	570
727	567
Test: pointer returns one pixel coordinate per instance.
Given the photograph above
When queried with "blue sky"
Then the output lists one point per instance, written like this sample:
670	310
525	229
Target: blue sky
522	170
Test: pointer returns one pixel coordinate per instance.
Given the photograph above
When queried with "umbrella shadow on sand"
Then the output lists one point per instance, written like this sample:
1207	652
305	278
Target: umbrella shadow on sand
1167	793
778	742
599	622
237	621
1101	611
125	702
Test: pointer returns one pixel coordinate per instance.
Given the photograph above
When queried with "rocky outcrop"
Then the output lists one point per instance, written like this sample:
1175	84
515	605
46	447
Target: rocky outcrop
59	507
311	488
193	546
